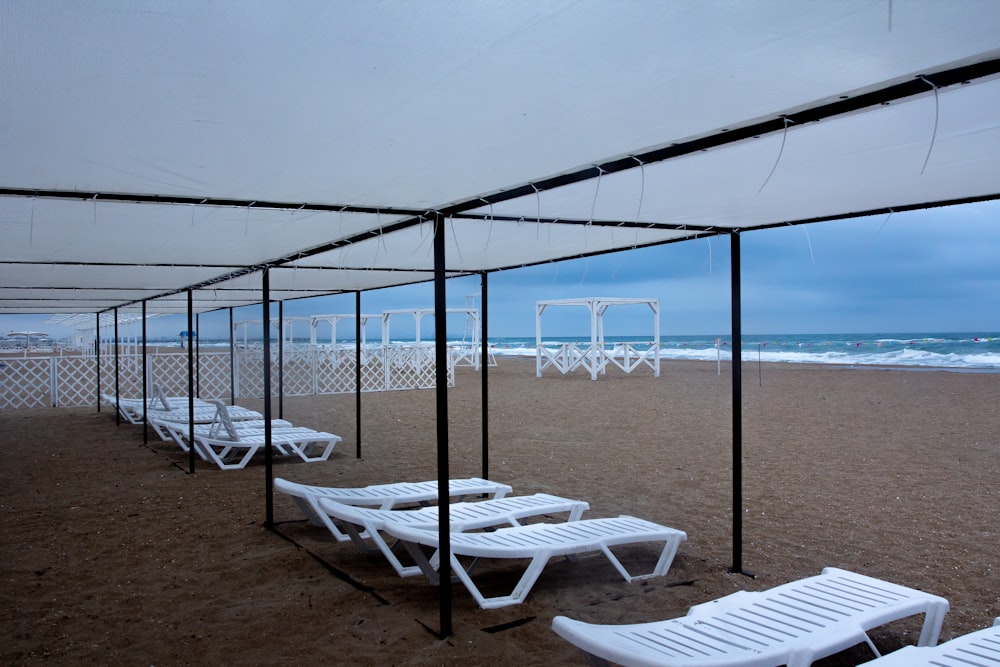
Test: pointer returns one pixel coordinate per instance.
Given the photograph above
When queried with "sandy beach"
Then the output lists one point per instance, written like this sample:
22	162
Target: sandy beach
114	553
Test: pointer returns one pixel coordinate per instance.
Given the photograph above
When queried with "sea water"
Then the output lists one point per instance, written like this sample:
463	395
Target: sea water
957	351
925	350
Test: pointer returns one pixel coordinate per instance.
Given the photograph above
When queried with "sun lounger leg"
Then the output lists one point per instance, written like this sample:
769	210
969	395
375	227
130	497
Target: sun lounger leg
933	619
520	591
662	565
422	563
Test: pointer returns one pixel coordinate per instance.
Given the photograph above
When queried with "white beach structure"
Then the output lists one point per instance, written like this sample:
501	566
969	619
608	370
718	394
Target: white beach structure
468	353
130	185
595	357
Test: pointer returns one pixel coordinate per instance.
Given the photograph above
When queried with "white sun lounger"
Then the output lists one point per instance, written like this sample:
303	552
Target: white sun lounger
540	542
179	431
976	649
383	496
203	414
231	454
229	448
793	624
131	408
364	522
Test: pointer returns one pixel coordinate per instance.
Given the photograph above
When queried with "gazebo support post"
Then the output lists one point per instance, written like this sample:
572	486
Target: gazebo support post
268	457
441	390
357	371
118	403
484	371
97	354
145	380
281	359
190	363
737	361
232	360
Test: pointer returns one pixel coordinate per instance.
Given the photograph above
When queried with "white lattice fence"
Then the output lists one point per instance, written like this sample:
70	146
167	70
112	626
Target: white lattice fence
413	367
129	376
335	371
25	383
250	374
75	379
372	373
297	379
213	375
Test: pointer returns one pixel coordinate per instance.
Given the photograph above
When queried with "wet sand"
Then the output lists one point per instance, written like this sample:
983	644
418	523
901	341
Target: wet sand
114	553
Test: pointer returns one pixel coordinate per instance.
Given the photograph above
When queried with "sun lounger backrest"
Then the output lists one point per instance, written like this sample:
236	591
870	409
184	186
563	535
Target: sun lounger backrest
222	417
158	395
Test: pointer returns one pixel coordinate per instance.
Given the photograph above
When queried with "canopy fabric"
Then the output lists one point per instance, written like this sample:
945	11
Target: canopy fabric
152	147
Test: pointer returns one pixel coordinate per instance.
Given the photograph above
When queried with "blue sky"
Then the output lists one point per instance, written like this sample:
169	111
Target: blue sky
923	271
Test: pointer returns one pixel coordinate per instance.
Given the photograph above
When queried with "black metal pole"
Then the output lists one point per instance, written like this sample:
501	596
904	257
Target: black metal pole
97	356
484	359
441	389
737	351
190	360
357	370
118	403
268	457
232	360
281	359
145	381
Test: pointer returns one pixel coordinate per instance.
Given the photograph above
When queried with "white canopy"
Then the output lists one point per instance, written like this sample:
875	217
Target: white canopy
152	147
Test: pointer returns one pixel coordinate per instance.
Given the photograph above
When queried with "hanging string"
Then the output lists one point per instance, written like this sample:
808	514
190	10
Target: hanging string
709	239
642	186
454	235
809	243
597	189
781	150
879	231
890	15
94	200
31	223
291	218
489	232
423	239
193	207
246	227
381	236
538	213
934	134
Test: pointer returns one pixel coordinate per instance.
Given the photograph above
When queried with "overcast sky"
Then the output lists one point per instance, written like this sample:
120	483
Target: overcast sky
924	271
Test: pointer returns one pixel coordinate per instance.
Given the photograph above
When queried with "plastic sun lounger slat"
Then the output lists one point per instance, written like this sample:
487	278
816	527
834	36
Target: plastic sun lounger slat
541	542
131	408
793	624
203	415
179	433
976	649
298	441
382	496
362	523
